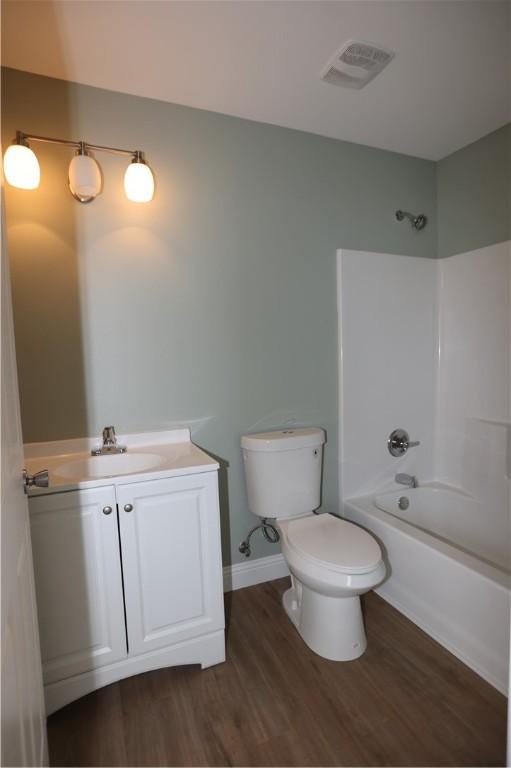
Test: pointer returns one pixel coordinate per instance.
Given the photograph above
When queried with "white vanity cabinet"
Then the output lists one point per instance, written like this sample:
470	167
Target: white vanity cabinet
128	579
171	559
78	579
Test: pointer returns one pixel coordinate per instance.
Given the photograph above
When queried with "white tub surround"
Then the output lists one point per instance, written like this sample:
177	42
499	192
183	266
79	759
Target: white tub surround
473	435
387	377
425	346
128	568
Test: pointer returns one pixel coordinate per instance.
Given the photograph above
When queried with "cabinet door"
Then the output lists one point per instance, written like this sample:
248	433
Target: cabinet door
78	581
170	537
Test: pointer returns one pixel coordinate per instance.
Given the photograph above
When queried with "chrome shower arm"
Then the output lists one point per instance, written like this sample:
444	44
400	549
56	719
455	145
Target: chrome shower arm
418	222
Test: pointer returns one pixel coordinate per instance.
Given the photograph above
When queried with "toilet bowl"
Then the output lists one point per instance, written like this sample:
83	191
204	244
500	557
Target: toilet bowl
332	561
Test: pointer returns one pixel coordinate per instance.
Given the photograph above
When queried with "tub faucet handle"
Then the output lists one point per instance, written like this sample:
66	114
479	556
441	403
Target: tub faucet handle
399	442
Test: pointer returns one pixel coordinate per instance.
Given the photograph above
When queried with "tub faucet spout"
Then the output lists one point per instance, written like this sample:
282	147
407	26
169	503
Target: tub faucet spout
409	480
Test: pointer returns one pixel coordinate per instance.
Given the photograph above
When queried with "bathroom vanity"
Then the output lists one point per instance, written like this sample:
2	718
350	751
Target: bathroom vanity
127	561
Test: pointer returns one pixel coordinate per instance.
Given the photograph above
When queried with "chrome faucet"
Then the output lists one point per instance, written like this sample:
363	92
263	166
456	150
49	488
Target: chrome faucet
109	437
110	444
409	480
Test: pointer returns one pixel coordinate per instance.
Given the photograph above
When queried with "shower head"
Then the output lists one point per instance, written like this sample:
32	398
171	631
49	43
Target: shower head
418	222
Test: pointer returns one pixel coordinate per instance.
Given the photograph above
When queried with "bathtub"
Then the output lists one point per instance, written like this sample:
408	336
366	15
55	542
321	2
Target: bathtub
448	569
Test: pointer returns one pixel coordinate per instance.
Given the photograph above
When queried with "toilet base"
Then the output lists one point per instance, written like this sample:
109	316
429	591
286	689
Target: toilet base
332	627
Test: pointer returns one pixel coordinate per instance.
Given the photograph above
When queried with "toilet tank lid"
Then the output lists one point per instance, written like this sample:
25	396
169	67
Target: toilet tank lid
284	439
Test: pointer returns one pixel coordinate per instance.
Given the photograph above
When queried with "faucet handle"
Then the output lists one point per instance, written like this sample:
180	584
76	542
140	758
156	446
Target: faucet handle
399	442
109	435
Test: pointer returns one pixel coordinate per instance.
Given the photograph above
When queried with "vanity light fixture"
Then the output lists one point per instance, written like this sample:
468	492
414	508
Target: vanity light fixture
85	180
21	166
138	180
21	169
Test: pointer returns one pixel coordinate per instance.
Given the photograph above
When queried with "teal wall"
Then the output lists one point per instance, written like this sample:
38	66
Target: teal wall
474	195
215	305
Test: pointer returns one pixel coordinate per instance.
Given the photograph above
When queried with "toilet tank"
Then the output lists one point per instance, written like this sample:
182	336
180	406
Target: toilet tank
283	471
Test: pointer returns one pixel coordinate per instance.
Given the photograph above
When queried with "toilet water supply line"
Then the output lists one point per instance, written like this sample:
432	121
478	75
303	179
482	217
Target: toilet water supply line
270	533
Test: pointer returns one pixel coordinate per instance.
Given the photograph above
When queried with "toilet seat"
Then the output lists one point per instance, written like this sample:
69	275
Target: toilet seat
333	543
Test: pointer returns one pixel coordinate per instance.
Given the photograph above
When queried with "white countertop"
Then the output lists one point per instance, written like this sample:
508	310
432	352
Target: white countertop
171	453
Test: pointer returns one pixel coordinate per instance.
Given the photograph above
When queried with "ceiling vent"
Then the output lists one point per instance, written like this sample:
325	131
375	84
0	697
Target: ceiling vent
356	63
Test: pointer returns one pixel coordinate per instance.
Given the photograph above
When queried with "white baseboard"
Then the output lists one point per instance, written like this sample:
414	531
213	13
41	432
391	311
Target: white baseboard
254	572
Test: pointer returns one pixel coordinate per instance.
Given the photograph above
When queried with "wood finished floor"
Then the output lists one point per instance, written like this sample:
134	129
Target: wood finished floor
407	701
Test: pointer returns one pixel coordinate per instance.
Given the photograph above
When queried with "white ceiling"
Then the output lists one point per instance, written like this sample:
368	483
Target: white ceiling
448	85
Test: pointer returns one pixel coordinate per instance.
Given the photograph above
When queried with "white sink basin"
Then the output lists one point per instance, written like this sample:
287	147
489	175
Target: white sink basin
108	466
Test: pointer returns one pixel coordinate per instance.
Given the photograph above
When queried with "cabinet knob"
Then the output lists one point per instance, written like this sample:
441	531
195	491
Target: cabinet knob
128	507
107	510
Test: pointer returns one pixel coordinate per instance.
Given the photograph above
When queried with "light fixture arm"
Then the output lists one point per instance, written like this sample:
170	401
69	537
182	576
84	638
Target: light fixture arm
83	146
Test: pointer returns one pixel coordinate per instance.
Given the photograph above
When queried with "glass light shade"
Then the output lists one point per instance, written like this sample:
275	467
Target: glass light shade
21	167
84	178
139	183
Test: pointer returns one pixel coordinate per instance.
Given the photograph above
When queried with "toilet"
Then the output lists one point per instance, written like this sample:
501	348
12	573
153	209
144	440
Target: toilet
332	561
